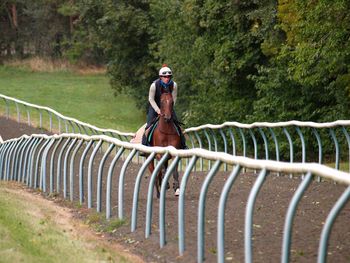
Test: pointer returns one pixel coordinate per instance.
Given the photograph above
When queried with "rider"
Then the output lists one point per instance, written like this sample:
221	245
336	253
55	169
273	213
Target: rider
165	81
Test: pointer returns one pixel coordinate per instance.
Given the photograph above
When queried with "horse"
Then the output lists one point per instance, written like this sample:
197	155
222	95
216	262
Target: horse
165	134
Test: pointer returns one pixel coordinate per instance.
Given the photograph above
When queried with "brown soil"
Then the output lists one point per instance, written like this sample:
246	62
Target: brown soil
269	214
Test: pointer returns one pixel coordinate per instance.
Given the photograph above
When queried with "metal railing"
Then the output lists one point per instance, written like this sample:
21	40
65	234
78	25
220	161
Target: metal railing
34	159
292	141
63	123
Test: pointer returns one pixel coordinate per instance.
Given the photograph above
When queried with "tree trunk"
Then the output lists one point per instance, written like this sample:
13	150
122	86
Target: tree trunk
14	16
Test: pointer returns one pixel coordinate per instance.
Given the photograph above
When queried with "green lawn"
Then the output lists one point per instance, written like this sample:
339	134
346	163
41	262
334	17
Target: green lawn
31	232
87	98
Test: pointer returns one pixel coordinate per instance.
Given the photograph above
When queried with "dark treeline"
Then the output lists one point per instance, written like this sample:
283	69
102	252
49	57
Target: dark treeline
238	60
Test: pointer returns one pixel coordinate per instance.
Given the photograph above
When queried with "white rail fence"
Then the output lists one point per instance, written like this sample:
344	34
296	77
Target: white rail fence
50	163
53	121
293	141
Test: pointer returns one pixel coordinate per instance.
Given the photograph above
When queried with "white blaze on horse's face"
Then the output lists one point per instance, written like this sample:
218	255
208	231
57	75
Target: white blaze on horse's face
166	106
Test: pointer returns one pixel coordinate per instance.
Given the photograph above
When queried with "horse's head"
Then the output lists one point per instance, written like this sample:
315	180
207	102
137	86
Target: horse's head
166	106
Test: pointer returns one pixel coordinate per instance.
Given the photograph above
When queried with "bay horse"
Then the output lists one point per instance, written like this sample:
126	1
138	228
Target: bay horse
166	134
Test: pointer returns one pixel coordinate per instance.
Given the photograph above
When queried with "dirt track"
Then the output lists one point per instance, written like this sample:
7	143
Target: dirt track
269	213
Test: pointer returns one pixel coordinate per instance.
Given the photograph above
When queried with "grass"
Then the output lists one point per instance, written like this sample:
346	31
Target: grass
29	234
86	97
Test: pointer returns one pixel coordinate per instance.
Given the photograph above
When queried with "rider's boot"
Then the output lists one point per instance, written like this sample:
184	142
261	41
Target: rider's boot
144	140
183	142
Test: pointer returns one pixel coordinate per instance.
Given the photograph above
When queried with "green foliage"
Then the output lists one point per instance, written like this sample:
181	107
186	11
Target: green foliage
308	79
267	60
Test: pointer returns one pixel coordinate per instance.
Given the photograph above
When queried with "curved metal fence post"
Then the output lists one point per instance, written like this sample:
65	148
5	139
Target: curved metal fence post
233	140
50	118
223	136
99	177
348	141
150	194
276	144
66	125
109	182
248	232
18	113
52	164
42	184
81	171
181	206
19	164
221	213
17	160
137	190
5	156
38	162
2	148
58	178
291	152
255	144
200	146
244	143
31	174
201	210
209	145
10	159
7	109
265	143
121	184
71	172
215	140
319	143
40	119
191	139
91	161
303	148
322	250
165	180
287	231
28	115
28	155
337	151
59	124
3	160
72	126
193	146
65	166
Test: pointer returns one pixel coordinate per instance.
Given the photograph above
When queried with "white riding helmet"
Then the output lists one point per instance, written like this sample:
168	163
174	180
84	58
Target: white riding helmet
165	71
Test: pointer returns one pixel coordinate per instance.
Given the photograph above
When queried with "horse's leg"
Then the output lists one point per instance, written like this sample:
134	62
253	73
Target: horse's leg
164	171
176	184
151	167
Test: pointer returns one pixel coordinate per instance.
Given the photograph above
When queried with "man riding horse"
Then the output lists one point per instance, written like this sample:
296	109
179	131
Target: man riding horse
164	84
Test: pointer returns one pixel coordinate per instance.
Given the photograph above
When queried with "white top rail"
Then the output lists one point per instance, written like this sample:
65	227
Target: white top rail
66	118
272	125
314	168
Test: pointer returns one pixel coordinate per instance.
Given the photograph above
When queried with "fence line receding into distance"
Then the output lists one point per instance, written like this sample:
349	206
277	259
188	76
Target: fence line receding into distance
43	162
292	141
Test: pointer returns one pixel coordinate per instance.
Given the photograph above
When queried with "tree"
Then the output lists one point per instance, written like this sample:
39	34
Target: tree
308	78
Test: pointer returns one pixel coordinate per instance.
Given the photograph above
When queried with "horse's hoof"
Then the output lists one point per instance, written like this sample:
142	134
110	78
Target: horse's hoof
177	192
